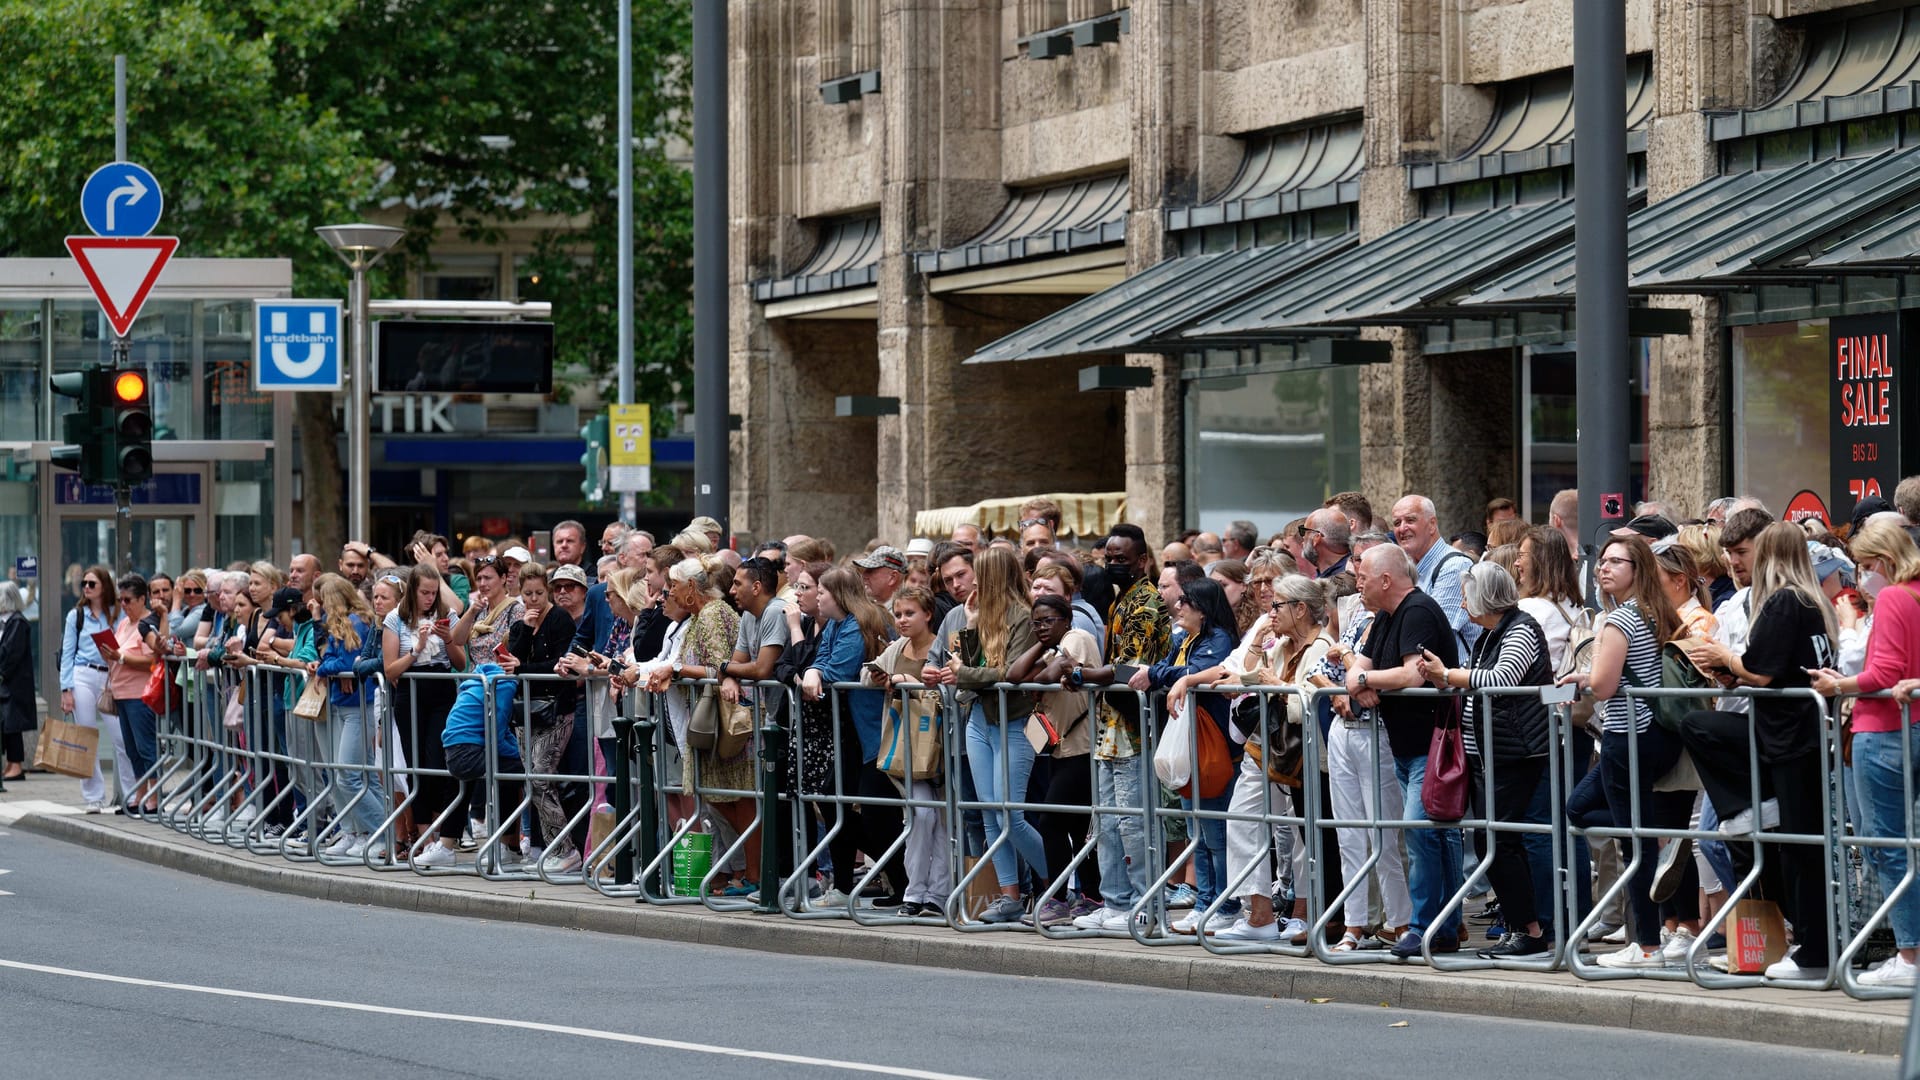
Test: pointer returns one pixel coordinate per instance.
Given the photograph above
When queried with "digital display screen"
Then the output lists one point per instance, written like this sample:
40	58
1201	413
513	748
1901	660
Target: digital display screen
427	357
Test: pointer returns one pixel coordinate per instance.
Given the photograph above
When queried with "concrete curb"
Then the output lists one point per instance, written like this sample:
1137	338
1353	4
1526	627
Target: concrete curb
1829	1020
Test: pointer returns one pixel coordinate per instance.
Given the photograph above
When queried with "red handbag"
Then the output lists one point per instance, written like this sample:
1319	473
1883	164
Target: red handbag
158	695
1444	791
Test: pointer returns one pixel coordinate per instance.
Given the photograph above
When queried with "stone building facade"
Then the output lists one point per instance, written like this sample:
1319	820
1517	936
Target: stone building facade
914	180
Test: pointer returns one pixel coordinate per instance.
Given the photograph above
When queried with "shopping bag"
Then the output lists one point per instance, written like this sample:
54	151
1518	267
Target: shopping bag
313	701
1173	757
1758	937
736	730
158	695
910	737
1444	791
66	748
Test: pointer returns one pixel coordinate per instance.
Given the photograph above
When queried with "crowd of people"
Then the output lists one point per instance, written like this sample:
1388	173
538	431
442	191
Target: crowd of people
877	646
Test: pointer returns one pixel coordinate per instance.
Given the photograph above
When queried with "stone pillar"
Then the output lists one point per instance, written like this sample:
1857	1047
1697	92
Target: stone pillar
1165	44
756	95
1701	61
1397	418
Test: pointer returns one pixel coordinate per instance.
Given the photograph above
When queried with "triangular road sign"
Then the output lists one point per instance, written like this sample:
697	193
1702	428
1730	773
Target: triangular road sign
122	271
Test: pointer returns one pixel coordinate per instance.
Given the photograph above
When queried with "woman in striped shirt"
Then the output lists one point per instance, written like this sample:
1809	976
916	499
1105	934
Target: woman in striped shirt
1627	654
1513	652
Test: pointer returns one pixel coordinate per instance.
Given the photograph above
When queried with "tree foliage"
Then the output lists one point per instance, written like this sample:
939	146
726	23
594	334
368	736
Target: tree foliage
266	118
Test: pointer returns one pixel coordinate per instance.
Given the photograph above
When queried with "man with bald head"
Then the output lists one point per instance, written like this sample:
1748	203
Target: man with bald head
1409	625
1176	552
1437	567
1207	549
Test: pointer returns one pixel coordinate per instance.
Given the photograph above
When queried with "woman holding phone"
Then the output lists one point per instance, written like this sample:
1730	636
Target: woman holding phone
417	639
492	611
536	643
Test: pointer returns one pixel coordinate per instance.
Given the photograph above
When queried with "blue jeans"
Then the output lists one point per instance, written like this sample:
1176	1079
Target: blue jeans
141	731
352	747
1210	850
985	762
1433	855
1880	767
1122	847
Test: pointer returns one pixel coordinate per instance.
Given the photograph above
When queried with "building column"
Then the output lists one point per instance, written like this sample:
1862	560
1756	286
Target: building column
1165	43
1702	60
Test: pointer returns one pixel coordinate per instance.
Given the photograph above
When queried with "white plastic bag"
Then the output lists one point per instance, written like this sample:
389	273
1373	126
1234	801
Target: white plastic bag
1173	757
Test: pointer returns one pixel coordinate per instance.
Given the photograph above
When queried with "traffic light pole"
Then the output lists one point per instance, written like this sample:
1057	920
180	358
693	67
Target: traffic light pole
122	493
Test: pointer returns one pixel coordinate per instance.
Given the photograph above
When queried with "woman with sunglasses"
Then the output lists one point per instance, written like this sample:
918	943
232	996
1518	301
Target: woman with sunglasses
83	678
132	663
1210	625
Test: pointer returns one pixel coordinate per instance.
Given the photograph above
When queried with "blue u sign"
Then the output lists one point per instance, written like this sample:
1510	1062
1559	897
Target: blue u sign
121	199
297	345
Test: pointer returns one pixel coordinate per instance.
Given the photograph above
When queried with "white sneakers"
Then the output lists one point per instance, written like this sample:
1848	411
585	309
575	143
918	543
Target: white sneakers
343	845
1633	956
1741	824
436	854
1188	923
1242	930
561	864
1674	945
1788	968
1106	918
1894	971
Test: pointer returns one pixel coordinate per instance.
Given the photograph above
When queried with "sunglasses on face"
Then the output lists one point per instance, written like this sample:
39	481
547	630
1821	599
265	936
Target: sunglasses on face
89	584
193	592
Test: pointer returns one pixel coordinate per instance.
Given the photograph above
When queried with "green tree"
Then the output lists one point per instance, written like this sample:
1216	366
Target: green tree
267	118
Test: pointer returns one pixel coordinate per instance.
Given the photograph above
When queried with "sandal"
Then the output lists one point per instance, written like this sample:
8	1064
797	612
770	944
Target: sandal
1349	942
741	887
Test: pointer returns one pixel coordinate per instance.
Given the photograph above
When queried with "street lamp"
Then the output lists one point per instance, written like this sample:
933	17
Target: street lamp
360	247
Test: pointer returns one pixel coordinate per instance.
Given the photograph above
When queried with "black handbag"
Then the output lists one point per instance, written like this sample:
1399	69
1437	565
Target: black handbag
542	714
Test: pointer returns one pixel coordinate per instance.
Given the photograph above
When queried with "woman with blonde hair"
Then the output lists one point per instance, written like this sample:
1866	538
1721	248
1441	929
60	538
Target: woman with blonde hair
1883	756
417	639
999	754
1709	562
345	621
1792	636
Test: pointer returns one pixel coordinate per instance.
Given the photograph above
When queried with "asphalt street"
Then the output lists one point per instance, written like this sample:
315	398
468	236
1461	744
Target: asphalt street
111	967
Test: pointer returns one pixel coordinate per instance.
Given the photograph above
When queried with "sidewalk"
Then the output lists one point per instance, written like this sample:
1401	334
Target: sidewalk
49	805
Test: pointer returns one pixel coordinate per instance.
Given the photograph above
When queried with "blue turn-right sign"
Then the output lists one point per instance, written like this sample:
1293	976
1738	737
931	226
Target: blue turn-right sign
121	199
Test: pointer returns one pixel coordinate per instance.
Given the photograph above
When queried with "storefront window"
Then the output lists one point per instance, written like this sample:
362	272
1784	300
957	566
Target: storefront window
234	409
20	345
161	342
1552	428
1780	410
1271	448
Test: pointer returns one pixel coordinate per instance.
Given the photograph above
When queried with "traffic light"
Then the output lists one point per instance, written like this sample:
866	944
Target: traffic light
132	426
110	432
594	460
82	450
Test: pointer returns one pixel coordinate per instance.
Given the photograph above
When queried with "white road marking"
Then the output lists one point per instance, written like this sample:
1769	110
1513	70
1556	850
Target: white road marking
494	1021
14	811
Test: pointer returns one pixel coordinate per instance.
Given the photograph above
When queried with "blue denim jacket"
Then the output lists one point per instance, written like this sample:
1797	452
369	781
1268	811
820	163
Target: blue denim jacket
1211	650
840	652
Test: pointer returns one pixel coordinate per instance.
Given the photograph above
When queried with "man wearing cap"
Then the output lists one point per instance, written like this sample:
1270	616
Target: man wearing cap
883	571
711	528
1651	526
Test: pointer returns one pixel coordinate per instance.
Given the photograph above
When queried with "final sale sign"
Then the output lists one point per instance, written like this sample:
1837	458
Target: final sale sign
1863	358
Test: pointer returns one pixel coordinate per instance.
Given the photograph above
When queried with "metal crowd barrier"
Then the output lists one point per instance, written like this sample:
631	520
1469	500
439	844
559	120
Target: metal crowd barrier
224	785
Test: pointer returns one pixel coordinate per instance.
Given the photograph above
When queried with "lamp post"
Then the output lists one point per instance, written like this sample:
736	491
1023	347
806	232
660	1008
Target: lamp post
360	247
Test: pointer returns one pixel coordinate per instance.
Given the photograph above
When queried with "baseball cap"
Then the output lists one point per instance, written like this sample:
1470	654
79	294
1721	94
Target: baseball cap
1828	561
919	548
518	554
285	600
567	572
883	557
1651	526
1866	508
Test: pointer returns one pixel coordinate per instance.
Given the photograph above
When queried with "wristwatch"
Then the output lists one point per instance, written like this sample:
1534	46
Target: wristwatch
677	665
1363	680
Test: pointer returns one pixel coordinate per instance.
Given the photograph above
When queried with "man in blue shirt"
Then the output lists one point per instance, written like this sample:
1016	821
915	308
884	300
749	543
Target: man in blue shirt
1437	567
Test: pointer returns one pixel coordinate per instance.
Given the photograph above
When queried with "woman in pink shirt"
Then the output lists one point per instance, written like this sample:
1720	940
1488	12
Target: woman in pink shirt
128	669
1890	576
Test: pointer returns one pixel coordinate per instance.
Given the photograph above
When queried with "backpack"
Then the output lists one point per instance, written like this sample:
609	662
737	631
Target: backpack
1578	660
1677	672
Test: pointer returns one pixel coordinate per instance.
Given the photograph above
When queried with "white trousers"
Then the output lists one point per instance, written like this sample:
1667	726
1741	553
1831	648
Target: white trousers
87	686
1250	841
1359	794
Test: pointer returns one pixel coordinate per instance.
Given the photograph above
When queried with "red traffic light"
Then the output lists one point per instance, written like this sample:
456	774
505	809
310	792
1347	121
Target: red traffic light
129	387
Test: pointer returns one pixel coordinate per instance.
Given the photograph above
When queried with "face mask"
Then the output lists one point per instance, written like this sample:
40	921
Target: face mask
1871	583
1121	574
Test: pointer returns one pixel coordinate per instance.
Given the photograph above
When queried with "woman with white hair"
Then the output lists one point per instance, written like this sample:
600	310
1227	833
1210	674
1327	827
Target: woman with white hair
16	681
1511	729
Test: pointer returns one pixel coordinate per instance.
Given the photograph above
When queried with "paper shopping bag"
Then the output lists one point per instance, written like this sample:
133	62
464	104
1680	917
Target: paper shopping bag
66	748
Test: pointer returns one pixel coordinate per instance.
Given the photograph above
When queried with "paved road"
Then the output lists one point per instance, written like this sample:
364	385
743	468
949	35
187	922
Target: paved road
112	967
